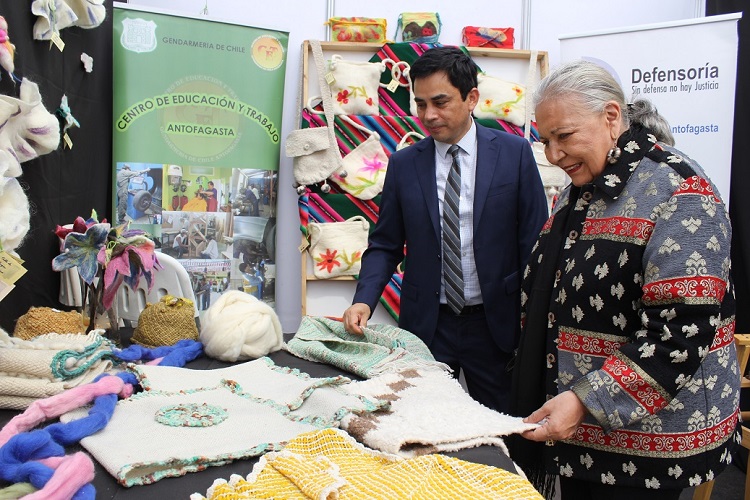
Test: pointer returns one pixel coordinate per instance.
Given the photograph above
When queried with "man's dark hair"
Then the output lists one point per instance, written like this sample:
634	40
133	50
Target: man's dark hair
460	68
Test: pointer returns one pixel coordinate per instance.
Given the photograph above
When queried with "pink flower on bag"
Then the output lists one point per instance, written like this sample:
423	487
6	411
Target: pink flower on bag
343	96
373	164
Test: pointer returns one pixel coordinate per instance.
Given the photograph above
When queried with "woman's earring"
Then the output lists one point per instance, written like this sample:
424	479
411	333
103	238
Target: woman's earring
613	155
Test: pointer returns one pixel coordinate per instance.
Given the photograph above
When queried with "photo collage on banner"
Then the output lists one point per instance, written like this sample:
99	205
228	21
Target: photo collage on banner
196	147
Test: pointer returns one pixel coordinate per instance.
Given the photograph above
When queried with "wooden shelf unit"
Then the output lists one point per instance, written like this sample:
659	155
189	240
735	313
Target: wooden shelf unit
370	49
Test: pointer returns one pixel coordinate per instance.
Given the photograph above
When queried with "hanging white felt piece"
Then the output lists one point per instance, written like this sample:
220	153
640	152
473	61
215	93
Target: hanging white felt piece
14	214
29	131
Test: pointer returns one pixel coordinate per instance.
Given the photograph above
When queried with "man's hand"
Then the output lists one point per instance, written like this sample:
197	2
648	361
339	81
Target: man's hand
560	417
355	318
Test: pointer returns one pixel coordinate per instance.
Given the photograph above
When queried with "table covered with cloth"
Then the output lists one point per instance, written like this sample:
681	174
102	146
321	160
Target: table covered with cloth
199	482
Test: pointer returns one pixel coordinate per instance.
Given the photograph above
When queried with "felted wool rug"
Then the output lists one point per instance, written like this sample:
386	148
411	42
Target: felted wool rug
329	464
429	413
381	349
153	435
306	397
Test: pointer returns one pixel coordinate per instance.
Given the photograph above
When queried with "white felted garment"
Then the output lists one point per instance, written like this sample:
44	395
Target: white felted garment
319	399
27	366
54	15
14	214
89	13
240	327
28	130
137	448
429	413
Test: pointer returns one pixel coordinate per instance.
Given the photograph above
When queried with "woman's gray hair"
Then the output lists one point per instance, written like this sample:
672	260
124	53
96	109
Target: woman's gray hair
594	86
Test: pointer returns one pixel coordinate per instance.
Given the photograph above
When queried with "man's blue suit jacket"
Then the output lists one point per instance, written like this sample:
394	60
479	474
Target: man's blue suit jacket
509	210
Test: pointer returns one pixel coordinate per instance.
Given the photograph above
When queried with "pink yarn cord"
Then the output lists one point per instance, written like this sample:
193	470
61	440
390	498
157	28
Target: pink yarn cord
54	406
72	472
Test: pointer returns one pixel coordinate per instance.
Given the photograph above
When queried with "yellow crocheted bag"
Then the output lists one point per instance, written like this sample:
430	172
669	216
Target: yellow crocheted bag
166	322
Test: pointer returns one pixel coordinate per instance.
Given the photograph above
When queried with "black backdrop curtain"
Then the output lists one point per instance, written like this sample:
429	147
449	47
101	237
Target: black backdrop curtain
739	201
67	182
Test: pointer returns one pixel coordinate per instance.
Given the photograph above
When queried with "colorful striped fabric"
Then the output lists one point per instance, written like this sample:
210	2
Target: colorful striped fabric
392	124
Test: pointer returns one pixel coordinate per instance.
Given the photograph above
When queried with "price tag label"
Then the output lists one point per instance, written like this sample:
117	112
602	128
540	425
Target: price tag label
392	86
67	140
58	41
330	78
5	289
304	246
10	269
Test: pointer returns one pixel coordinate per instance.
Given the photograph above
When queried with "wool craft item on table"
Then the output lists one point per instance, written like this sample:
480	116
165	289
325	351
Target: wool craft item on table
187	431
239	327
166	322
321	400
381	349
16	491
40	320
49	364
329	464
44	467
429	413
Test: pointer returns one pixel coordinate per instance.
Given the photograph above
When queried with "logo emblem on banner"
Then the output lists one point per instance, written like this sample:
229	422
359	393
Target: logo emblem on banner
138	35
267	52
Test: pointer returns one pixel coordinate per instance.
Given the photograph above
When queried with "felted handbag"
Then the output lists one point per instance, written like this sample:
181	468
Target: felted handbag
354	86
495	38
500	99
404	141
314	151
419	27
362	171
358	29
337	247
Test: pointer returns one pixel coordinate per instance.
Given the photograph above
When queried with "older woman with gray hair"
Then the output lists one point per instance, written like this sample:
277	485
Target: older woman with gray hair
627	357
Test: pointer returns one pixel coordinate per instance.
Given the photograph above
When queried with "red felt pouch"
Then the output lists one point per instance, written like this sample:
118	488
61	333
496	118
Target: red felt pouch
495	38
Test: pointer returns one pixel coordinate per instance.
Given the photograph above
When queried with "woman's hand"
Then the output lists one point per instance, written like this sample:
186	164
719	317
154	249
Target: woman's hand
560	417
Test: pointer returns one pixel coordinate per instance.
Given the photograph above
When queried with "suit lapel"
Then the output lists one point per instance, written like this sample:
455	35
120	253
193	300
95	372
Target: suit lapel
425	167
488	154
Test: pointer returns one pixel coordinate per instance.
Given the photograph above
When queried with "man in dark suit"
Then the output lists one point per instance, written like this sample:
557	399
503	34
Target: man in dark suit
501	208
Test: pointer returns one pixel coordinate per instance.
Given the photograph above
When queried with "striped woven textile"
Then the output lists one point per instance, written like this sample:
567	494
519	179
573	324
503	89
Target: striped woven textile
336	207
330	464
392	124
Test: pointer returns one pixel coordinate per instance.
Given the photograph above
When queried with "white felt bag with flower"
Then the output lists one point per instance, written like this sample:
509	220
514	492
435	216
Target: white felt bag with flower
336	248
500	100
362	172
354	86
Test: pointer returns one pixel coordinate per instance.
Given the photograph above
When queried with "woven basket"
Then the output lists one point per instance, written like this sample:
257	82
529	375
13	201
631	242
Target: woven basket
166	322
40	320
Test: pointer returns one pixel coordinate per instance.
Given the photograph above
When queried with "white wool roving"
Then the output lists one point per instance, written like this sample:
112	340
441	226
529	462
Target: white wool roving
238	326
14	214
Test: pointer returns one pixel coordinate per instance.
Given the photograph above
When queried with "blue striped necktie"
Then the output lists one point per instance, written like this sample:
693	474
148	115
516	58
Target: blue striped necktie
452	272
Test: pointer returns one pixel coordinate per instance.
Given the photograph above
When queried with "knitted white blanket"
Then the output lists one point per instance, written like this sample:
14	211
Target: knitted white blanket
429	413
48	364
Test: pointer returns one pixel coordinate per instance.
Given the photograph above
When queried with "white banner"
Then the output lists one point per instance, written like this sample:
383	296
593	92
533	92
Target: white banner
687	69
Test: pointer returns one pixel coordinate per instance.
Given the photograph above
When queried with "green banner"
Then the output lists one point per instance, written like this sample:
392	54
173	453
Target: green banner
196	143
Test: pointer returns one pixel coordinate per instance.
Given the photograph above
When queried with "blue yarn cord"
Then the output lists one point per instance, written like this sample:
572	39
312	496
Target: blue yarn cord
18	456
